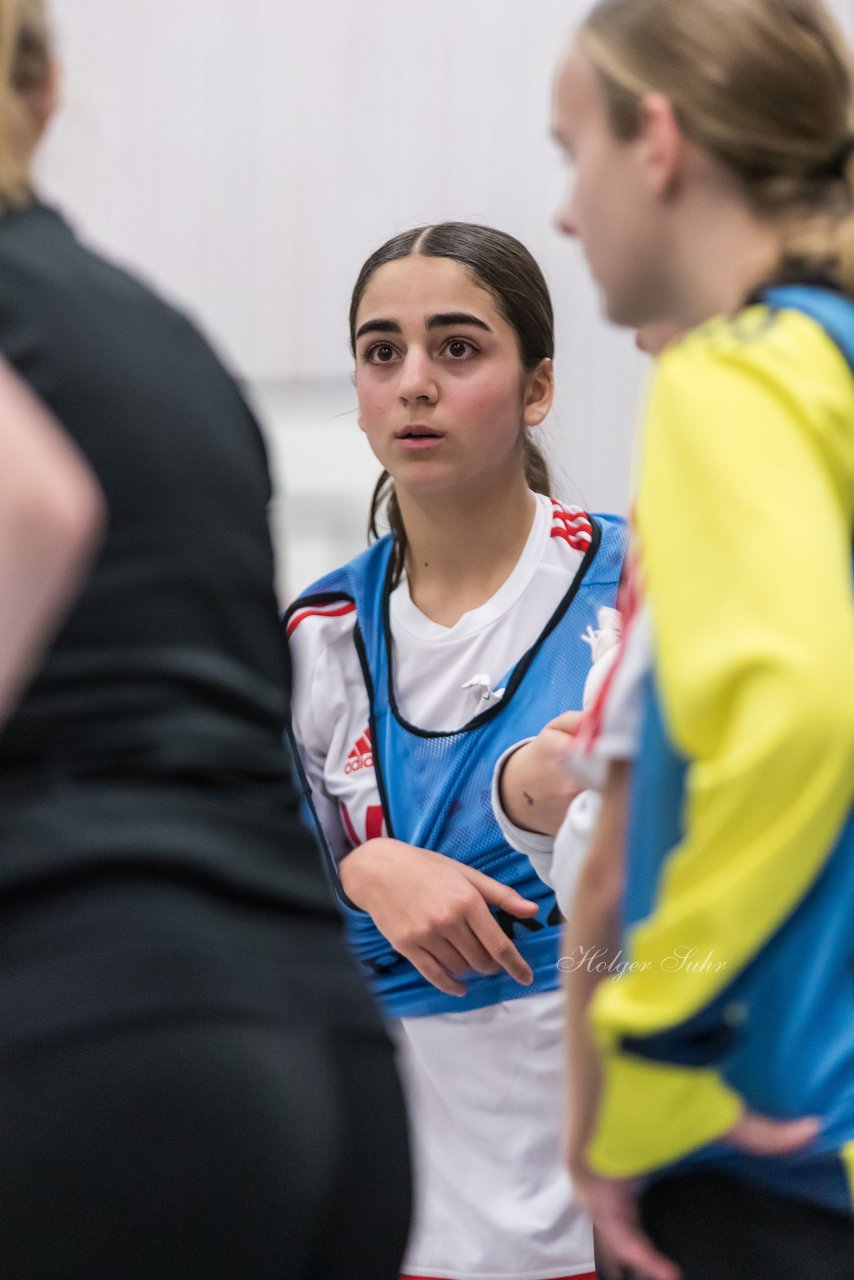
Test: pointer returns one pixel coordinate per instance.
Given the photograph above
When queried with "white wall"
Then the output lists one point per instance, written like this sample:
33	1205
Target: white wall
247	155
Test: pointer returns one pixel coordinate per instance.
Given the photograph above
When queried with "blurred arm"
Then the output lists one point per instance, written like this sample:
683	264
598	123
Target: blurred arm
51	519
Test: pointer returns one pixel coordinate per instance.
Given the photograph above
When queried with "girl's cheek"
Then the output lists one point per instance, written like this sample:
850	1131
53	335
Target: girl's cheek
371	402
489	399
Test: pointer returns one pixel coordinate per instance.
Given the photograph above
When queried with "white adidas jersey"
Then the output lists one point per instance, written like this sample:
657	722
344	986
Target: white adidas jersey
485	1088
443	676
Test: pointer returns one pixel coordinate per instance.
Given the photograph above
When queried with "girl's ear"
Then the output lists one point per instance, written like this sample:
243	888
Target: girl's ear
539	393
663	143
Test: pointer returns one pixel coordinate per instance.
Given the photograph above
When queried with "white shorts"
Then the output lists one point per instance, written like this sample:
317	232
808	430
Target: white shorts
493	1199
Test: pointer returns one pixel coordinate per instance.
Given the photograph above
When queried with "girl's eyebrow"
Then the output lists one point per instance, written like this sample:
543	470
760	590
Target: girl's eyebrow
445	320
378	326
449	319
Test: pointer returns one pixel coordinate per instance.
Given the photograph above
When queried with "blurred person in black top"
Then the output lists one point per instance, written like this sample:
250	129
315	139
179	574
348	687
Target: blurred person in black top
194	1082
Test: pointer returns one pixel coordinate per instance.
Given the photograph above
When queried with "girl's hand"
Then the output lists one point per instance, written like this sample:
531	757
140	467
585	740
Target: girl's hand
435	911
611	1203
536	785
621	1245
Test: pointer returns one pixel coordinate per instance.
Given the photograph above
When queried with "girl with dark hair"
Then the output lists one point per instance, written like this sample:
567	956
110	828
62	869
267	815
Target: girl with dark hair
416	666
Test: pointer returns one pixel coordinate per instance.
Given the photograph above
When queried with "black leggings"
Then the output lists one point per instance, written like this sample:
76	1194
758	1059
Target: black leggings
721	1228
203	1150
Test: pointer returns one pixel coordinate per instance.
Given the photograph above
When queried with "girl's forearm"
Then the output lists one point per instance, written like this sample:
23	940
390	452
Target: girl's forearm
592	942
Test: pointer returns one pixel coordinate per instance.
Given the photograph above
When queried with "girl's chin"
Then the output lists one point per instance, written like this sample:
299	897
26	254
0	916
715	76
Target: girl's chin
425	481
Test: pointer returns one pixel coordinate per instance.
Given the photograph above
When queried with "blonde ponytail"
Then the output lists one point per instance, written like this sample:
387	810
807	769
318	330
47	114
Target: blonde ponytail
25	58
765	86
824	242
844	233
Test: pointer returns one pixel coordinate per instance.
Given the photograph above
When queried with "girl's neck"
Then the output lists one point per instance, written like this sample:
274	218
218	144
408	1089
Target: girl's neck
740	251
463	546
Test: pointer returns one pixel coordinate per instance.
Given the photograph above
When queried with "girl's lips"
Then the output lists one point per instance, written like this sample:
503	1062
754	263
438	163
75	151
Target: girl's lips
419	442
416	437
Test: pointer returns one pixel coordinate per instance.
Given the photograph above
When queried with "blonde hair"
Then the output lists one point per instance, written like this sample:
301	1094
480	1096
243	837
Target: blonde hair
765	86
25	59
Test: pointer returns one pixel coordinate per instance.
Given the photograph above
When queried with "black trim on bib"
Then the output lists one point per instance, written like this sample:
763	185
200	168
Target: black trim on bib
521	667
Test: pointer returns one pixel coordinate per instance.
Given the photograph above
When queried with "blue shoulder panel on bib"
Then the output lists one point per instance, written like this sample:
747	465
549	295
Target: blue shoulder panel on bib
833	311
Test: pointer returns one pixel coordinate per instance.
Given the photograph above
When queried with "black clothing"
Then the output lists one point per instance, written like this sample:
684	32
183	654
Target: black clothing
195	1082
204	1150
171	665
716	1227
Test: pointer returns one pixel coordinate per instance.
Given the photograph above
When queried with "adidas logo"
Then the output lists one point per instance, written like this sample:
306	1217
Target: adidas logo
361	756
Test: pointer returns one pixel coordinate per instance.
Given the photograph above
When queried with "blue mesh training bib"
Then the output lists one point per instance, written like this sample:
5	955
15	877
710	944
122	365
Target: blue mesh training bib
435	787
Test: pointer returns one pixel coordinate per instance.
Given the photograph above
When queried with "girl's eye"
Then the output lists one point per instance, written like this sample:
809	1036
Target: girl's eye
380	353
460	349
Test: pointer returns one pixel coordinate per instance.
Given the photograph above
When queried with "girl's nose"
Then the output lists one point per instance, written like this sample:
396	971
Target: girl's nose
565	217
417	379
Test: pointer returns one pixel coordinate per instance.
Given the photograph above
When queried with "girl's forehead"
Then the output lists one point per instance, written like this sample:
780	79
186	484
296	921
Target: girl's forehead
577	96
419	286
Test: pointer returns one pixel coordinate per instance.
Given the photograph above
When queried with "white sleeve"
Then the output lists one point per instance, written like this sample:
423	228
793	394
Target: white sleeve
571	845
557	860
620	723
538	848
613	724
308	712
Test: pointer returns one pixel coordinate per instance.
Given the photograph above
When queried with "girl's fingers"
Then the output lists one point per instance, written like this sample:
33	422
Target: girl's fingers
446	953
568	722
766	1137
473	951
498	945
489	933
500	895
428	966
637	1252
619	1236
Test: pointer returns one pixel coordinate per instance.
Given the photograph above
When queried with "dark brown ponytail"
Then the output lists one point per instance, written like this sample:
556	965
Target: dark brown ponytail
537	471
385	495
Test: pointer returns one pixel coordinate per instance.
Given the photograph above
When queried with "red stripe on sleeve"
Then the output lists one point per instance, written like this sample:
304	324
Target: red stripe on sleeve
573	525
348	826
337	612
374	821
578	539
